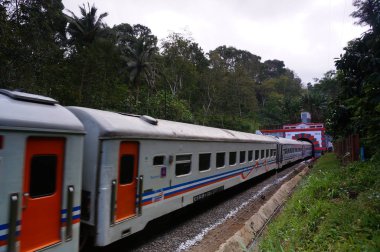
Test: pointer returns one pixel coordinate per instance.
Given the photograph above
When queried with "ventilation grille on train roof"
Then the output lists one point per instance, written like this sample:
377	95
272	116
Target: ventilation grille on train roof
21	96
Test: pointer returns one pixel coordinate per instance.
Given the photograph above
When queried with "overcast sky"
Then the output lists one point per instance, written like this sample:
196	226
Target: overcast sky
306	34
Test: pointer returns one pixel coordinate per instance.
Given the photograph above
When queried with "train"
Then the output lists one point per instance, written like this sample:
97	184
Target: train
71	172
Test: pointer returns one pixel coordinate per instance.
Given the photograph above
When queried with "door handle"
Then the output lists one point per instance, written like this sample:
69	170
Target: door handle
25	200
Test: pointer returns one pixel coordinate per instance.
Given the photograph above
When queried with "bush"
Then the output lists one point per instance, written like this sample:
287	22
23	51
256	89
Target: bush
335	209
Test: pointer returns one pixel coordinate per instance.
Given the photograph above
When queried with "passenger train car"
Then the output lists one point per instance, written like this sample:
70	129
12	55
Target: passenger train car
41	146
135	169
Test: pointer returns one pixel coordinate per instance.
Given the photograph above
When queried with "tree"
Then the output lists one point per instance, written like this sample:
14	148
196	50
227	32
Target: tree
85	29
31	45
138	46
83	32
359	77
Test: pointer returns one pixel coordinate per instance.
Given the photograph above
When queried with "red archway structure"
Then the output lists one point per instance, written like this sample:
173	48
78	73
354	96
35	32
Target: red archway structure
309	138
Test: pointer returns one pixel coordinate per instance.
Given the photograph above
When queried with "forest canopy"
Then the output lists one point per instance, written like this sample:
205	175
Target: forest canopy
79	60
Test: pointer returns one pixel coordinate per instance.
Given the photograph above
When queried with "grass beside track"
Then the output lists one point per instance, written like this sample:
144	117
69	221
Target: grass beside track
334	209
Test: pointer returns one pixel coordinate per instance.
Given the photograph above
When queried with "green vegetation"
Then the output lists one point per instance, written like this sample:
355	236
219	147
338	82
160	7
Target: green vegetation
352	93
79	60
335	209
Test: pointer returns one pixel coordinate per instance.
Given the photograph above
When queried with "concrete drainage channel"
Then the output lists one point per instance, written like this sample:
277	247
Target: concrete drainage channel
247	236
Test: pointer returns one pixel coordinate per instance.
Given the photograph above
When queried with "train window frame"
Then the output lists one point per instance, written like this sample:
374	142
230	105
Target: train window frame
217	162
250	155
257	155
159	164
262	154
183	162
267	153
209	162
242	161
232	154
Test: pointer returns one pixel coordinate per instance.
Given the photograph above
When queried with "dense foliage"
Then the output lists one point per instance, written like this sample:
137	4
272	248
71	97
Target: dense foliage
348	99
359	78
335	209
79	60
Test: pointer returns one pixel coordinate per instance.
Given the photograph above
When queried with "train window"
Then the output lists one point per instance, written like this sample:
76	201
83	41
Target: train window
257	154
158	160
204	161
43	177
232	158
127	163
262	154
220	159
250	155
274	153
242	157
183	164
267	155
271	152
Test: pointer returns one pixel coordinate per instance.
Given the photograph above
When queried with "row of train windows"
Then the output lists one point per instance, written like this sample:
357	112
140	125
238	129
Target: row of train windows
292	150
183	162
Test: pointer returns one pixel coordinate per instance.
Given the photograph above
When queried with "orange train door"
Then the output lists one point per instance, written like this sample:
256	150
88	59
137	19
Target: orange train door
127	184
42	193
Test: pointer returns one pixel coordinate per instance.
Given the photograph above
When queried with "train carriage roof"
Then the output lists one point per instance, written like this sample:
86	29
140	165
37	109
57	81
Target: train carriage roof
282	140
116	125
23	111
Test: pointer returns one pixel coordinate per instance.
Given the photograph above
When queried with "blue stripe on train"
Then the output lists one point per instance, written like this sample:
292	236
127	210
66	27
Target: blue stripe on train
6	226
217	177
63	211
198	180
5	237
75	217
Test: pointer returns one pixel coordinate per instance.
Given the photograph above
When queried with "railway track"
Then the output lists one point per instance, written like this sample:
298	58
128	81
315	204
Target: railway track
204	225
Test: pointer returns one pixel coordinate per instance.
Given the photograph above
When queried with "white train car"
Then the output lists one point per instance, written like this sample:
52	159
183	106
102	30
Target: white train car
138	168
290	150
307	150
40	174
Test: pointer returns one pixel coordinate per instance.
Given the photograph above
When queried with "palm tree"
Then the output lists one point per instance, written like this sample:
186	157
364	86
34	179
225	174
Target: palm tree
84	30
138	46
